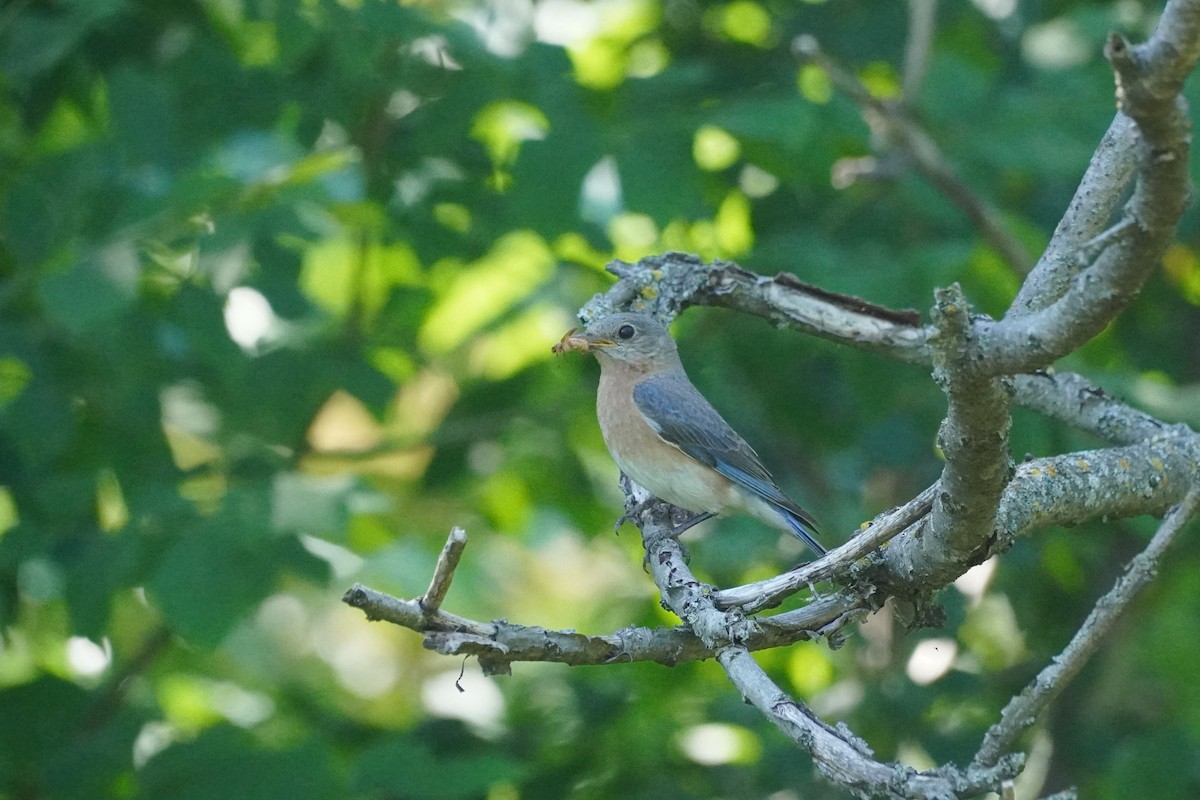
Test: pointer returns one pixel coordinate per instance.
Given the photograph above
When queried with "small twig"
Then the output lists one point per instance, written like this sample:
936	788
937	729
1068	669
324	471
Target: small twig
768	593
1089	251
410	614
1023	710
921	18
111	695
443	573
896	128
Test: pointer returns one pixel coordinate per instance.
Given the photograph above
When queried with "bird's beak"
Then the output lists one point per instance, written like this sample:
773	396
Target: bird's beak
581	341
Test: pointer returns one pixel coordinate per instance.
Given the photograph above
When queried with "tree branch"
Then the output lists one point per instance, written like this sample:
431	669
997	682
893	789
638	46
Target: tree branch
499	643
974	440
839	561
1073	400
443	572
1023	710
663	285
1087	215
895	129
841	756
1149	79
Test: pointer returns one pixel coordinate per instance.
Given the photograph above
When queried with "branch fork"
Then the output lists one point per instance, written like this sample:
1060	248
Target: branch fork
1092	268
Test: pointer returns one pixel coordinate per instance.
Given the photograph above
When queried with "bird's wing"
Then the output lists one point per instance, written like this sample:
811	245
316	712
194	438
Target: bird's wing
681	416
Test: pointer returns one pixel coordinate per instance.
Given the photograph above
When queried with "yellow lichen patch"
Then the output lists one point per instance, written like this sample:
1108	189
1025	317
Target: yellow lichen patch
1157	463
1051	471
1083	465
649	292
1124	462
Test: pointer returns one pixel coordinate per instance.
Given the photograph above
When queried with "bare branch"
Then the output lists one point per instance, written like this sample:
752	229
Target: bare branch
443	572
1095	201
974	440
1023	710
839	754
770	592
663	285
500	643
1149	79
1064	490
1073	400
894	127
922	16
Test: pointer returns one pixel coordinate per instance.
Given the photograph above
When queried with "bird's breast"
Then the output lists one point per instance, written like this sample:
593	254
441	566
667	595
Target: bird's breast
661	468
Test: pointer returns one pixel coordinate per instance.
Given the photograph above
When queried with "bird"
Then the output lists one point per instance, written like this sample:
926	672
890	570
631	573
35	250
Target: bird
666	437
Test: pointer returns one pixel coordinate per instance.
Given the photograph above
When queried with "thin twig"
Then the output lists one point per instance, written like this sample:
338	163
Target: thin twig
922	16
902	131
770	592
443	572
1023	710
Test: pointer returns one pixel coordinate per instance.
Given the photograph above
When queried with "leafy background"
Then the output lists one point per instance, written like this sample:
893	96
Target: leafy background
278	283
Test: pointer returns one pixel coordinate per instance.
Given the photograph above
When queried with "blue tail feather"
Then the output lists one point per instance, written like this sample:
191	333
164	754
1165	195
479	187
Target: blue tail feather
803	530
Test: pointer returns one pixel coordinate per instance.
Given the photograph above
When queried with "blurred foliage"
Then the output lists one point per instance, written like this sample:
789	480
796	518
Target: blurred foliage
278	282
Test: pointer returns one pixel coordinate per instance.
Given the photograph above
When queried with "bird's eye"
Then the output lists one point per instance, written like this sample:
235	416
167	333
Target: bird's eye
625	331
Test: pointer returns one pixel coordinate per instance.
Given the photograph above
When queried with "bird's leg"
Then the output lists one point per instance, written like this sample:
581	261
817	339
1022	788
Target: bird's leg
691	522
632	514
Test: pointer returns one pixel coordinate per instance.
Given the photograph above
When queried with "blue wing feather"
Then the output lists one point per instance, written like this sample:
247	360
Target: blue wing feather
681	416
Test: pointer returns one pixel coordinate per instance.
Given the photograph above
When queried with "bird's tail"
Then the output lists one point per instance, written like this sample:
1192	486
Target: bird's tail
804	529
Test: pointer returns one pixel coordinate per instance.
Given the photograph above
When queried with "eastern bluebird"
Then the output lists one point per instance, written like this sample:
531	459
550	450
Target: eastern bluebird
667	438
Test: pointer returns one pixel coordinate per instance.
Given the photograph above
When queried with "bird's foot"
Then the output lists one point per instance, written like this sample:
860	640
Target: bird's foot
691	522
632	514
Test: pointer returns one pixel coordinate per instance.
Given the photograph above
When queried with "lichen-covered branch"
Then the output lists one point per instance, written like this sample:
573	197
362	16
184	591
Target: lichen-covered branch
973	439
838	754
663	285
1149	80
1073	400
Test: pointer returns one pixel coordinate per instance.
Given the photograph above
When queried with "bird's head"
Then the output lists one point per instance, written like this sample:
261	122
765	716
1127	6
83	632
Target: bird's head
635	339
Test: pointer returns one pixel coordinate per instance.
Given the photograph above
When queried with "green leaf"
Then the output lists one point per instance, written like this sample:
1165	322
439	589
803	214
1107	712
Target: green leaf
208	582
